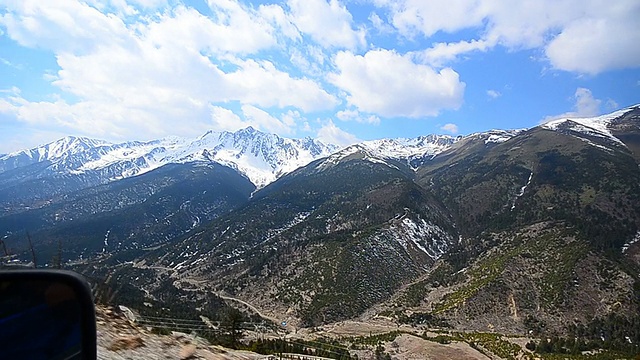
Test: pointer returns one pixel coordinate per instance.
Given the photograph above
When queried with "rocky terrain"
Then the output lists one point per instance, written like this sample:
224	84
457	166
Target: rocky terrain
120	338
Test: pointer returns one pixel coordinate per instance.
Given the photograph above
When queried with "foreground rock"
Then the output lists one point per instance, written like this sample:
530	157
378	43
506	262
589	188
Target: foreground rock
120	339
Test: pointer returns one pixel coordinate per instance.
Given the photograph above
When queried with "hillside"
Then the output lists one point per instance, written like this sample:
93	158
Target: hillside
521	232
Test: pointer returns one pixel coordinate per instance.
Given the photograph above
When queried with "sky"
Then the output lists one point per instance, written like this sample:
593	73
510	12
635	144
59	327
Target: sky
341	71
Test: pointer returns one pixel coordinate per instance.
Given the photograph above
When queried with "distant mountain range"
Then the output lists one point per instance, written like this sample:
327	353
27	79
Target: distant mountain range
259	156
519	231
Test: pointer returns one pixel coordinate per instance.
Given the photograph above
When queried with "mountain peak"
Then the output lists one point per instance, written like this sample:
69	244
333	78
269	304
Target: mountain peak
260	156
249	130
599	126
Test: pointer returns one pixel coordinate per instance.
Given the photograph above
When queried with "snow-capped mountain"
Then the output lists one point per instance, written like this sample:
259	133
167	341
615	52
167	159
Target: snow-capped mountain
65	147
406	149
260	157
403	150
434	225
599	126
412	152
29	177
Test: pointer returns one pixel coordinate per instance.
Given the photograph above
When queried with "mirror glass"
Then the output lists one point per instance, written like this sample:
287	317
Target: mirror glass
39	319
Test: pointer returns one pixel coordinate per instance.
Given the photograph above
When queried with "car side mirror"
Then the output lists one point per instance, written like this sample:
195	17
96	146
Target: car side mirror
46	314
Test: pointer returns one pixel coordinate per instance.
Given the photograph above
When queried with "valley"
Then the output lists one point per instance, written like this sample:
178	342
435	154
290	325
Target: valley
483	245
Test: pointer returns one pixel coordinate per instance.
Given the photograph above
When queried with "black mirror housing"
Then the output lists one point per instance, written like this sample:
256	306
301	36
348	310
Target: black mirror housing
46	314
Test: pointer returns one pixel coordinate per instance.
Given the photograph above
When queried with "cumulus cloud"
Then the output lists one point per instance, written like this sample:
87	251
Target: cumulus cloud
585	105
428	17
595	45
442	53
355	115
170	72
612	104
282	20
411	90
131	67
235	29
493	94
262	84
380	24
450	128
64	25
87	117
223	119
327	23
264	121
150	3
576	35
331	134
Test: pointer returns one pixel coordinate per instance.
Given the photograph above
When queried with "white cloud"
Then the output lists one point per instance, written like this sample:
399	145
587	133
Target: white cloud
450	128
596	45
166	73
121	7
236	30
65	25
150	4
261	119
380	24
309	60
11	141
85	118
327	23
292	118
355	115
585	106
262	84
331	134
586	36
277	16
225	119
612	104
10	64
410	90
524	25
441	53
13	91
493	94
428	17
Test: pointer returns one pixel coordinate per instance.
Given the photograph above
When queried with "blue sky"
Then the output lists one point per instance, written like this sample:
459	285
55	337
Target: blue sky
341	71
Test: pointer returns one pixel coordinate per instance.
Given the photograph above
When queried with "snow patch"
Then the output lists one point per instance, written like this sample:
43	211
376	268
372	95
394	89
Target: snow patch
405	148
401	149
635	239
428	238
261	157
335	159
594	126
497	139
106	242
522	189
595	145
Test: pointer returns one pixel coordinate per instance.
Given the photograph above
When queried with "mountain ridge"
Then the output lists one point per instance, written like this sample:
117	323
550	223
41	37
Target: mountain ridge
502	230
259	156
